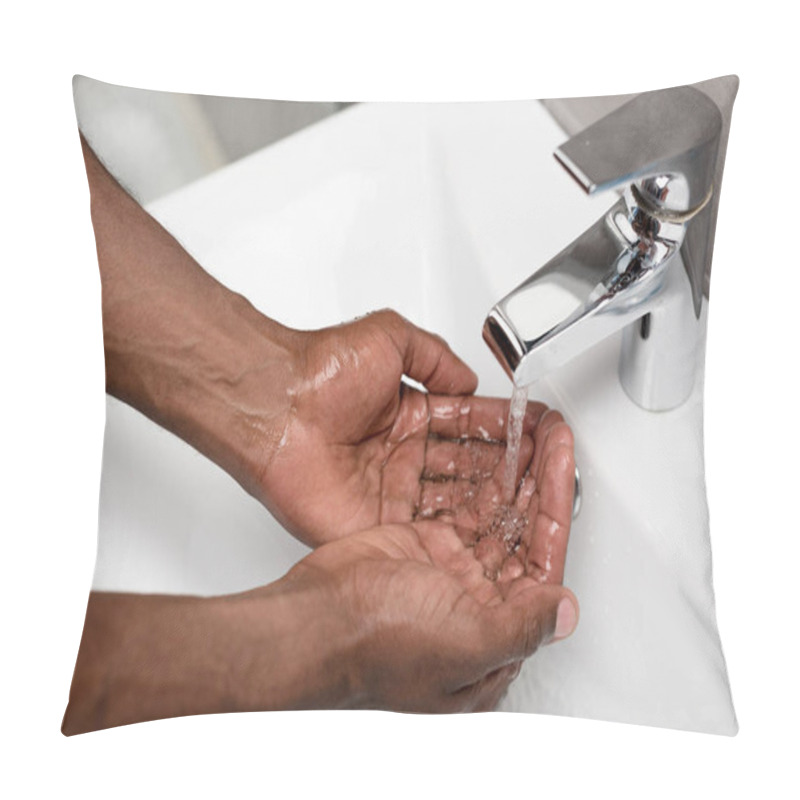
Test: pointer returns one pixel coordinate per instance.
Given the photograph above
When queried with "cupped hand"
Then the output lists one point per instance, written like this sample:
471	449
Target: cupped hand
319	426
359	447
426	629
398	617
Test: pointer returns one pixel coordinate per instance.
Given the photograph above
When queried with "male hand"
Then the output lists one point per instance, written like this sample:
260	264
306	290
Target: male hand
399	617
358	447
428	630
318	425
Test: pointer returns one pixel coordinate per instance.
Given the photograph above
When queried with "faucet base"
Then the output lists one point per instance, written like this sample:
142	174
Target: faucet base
659	354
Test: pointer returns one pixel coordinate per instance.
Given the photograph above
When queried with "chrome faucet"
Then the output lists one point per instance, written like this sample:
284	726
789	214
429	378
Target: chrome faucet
628	269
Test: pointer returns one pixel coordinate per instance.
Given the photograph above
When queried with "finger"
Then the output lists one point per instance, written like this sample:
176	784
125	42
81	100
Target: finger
518	494
474	506
483	418
470	503
442	544
399	484
476	461
531	615
491	553
547	548
548	422
492	698
453	500
512	568
445	549
467	535
471	476
526	491
487	693
499	540
463	458
484	638
427	358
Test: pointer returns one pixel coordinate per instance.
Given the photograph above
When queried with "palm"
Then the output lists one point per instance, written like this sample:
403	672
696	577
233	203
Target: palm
456	473
363	449
421	568
428	597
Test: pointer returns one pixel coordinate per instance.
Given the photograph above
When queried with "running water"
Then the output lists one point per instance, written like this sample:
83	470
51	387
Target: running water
501	521
516	414
507	522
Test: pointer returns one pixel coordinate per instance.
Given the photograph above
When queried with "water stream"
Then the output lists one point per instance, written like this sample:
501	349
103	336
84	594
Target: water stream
492	498
501	533
516	414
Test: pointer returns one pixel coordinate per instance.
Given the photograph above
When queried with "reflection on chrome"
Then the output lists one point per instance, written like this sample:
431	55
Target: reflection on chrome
627	270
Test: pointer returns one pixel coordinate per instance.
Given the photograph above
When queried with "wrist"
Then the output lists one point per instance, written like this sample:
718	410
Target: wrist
298	650
193	356
207	366
147	657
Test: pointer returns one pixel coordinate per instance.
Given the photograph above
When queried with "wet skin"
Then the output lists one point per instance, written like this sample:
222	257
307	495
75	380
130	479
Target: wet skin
398	489
377	451
399	617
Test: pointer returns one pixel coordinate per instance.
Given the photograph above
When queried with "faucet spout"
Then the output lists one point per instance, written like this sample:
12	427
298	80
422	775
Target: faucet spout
600	283
620	273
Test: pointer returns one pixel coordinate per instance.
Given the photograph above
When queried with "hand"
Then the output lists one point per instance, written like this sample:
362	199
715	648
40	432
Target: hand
318	425
348	416
358	447
400	617
430	631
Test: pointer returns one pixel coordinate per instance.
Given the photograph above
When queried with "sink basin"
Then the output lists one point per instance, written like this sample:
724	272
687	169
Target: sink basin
438	210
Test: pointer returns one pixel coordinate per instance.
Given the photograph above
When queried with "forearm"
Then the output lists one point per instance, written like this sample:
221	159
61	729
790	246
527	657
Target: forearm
145	657
193	356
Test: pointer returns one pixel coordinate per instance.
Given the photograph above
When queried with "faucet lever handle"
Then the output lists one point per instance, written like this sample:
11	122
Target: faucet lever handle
663	142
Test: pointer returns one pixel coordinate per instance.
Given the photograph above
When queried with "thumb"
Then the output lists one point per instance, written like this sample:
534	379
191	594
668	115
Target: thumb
427	358
531	616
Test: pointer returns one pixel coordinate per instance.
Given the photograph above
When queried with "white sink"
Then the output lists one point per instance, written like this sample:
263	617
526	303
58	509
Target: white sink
438	211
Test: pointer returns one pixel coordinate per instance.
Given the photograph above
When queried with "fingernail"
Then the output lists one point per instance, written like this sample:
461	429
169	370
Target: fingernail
566	619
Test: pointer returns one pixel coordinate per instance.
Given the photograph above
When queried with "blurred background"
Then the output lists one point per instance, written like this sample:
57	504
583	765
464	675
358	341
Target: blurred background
156	142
